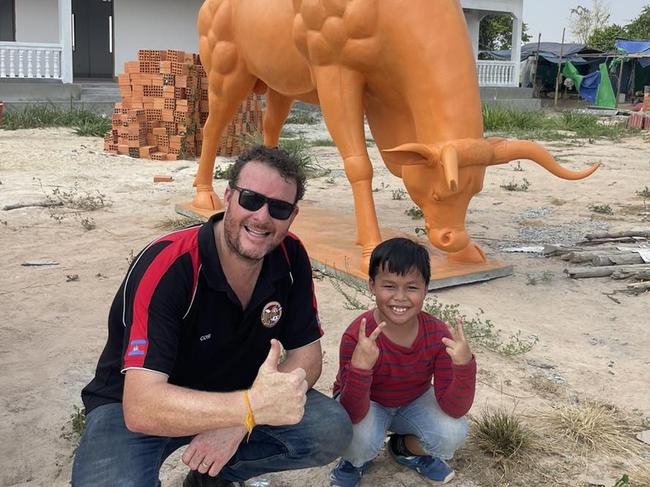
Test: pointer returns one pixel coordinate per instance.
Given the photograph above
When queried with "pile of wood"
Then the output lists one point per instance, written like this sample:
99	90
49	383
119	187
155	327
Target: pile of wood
164	105
620	255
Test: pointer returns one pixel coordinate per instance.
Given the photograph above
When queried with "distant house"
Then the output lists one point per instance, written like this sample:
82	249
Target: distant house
67	40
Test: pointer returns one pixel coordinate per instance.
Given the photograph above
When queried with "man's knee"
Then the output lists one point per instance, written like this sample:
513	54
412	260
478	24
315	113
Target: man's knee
332	430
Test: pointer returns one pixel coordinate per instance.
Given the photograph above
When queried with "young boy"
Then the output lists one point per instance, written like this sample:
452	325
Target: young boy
388	358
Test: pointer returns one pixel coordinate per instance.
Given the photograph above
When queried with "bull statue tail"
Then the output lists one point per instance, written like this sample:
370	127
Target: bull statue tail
510	150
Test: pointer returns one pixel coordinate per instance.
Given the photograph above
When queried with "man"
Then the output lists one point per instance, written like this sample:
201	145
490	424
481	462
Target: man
194	343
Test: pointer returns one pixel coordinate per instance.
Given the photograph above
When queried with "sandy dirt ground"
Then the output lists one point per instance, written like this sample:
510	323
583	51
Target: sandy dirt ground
590	347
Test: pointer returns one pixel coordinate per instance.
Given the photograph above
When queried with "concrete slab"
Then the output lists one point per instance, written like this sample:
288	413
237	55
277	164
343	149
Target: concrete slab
329	239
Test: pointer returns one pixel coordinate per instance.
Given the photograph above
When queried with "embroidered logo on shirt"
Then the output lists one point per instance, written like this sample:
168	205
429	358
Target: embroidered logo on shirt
205	337
271	314
137	347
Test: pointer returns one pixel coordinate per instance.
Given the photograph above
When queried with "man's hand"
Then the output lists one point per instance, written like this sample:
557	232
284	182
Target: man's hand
366	352
210	451
457	346
278	398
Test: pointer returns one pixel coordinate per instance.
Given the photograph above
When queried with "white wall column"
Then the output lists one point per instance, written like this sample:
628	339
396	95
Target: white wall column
473	19
517	26
65	39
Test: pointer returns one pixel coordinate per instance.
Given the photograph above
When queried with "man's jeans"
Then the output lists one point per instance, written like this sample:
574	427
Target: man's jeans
440	435
109	454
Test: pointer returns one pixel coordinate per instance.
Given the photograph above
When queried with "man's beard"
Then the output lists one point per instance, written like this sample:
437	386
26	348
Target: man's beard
231	234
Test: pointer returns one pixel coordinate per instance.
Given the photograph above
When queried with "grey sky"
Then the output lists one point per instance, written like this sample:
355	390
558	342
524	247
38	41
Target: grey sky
550	16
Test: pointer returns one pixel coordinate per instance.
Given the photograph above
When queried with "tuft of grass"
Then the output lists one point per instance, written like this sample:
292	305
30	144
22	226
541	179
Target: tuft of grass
544	386
500	434
644	193
590	426
415	213
75	426
602	209
322	143
85	122
222	171
302	117
514	186
177	223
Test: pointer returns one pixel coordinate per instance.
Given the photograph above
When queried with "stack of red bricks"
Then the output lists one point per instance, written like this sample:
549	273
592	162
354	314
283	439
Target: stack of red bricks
639	120
165	104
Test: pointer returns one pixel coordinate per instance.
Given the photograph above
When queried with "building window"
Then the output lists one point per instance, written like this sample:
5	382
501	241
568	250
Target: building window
7	20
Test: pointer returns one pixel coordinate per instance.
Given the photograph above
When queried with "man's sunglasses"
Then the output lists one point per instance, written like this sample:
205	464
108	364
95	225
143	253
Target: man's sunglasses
252	201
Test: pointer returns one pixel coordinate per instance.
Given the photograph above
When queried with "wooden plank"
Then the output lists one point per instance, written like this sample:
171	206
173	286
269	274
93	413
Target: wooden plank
329	239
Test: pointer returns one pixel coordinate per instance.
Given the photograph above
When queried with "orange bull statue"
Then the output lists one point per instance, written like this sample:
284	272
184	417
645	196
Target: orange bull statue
387	60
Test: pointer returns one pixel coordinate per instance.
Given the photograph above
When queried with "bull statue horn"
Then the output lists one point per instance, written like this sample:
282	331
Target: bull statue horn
506	151
429	153
450	166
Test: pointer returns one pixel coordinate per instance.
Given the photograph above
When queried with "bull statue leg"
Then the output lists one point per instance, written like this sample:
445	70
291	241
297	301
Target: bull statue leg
275	114
341	98
228	85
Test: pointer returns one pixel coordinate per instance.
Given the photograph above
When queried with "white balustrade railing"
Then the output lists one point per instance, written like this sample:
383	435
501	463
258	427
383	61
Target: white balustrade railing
30	61
497	73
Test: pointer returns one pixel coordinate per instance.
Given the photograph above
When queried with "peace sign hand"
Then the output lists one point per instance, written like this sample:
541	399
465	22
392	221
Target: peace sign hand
366	352
457	346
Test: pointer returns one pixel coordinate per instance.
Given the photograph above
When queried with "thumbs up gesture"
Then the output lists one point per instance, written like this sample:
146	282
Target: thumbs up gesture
278	398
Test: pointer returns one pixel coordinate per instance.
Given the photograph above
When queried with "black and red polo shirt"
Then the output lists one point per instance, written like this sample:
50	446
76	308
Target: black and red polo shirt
175	313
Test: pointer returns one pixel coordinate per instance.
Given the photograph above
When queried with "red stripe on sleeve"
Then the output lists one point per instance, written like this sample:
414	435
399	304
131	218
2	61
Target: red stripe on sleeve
182	242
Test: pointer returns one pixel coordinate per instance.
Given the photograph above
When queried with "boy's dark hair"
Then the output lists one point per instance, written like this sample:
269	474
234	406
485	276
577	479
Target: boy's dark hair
287	166
399	256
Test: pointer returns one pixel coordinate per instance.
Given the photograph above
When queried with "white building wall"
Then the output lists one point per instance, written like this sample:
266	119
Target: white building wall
37	21
153	24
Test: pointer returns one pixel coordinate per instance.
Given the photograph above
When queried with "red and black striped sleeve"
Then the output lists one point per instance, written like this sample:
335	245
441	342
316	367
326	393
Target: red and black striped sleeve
156	294
354	384
454	385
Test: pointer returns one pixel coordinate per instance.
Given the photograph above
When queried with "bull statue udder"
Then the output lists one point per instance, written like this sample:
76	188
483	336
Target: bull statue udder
390	60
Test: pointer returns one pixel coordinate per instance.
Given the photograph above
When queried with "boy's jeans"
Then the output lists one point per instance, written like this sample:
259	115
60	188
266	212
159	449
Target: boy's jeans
440	435
109	454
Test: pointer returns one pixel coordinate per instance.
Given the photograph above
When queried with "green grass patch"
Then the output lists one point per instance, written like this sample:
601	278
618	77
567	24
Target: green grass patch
85	122
543	125
301	117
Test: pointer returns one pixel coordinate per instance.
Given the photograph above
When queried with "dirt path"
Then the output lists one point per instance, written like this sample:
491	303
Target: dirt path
54	317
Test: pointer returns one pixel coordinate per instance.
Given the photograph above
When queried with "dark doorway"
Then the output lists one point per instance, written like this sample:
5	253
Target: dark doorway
7	21
93	38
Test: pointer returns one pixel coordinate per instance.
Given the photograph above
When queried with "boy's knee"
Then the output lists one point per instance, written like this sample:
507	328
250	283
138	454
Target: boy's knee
453	433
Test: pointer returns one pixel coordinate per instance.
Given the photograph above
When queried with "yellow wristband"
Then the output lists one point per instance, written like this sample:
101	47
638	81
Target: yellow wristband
249	420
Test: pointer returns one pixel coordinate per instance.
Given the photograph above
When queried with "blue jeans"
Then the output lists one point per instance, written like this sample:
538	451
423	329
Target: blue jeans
440	435
109	454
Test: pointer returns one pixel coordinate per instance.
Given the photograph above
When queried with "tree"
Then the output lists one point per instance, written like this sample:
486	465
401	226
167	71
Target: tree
639	28
495	33
604	38
585	21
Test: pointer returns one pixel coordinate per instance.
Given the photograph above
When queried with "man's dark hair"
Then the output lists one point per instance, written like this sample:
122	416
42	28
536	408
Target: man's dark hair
287	166
399	256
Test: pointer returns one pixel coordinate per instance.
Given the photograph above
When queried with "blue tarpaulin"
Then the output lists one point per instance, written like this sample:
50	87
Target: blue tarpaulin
589	86
635	47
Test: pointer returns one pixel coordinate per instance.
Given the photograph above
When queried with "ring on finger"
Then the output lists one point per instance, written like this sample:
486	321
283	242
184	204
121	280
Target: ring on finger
206	465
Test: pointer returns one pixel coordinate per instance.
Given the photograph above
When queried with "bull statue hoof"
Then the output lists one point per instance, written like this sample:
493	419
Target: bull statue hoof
472	254
207	200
